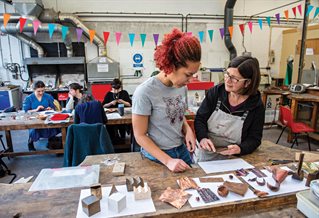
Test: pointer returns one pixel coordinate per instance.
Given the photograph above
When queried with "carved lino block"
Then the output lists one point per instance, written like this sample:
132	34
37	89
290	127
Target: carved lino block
141	193
118	169
134	182
96	190
117	202
91	205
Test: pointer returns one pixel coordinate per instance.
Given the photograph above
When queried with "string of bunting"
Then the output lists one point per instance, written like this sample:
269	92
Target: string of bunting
64	30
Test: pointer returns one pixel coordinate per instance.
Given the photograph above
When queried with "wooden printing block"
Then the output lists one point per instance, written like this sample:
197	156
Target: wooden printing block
96	190
118	169
113	190
91	205
133	182
117	202
141	193
238	188
211	179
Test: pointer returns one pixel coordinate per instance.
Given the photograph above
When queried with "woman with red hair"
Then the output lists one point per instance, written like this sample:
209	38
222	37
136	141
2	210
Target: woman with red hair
159	124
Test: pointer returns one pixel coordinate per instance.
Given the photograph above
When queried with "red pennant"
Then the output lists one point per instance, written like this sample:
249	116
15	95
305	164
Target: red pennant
294	11
106	37
22	23
250	25
242	28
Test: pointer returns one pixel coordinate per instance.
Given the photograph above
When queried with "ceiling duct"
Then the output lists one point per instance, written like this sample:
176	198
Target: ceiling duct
28	7
228	21
30	42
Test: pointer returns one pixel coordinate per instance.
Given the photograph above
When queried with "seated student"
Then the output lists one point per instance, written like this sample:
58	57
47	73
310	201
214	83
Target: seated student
35	102
232	114
111	100
75	95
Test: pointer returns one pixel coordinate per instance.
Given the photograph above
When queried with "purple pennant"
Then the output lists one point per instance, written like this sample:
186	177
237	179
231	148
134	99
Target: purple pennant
79	32
155	36
222	32
278	18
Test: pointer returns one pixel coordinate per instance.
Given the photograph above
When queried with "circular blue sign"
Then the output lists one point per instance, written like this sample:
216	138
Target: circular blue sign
137	58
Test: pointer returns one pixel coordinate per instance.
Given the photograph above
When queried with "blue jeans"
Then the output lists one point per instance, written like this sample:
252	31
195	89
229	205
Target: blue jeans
179	152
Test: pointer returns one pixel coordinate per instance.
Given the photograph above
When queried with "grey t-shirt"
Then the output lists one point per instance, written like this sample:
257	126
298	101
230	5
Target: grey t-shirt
165	107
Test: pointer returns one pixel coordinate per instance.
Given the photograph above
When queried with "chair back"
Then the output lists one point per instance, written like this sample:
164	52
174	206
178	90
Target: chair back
286	116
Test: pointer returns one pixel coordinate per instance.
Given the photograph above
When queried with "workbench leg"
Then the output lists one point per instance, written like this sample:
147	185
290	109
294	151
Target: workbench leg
9	140
314	116
63	132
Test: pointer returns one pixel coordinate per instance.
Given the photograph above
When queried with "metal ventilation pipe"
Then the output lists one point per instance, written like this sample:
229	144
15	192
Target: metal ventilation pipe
30	42
228	21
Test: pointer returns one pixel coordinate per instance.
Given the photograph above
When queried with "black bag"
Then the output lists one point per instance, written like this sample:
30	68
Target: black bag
5	170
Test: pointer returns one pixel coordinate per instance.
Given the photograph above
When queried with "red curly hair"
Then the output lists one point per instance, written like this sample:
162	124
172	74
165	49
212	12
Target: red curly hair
177	48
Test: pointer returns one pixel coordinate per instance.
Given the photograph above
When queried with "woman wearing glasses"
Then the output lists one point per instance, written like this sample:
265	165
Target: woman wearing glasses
231	117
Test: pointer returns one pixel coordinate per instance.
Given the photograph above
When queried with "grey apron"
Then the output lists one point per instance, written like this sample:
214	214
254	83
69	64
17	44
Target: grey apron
223	130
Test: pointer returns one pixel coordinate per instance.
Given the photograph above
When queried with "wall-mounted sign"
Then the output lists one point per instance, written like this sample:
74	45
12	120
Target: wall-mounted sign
137	59
102	68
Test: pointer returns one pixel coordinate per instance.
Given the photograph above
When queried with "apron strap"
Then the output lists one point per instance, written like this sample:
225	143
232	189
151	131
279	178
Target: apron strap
244	115
218	105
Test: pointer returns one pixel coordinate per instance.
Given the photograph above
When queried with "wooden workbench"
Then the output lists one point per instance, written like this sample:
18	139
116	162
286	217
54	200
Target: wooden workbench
63	203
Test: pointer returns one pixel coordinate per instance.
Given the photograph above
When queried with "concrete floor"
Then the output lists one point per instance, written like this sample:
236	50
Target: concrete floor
25	166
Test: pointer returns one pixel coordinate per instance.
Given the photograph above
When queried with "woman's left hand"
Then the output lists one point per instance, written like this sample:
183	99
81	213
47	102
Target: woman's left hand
232	149
190	140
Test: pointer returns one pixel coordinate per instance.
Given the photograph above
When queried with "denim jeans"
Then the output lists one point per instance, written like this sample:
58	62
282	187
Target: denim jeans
179	152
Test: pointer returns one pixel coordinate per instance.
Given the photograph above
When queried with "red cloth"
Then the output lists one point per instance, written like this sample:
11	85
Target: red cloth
57	117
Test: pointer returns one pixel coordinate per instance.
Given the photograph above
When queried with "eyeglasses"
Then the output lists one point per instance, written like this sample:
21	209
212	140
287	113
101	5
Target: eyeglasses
232	78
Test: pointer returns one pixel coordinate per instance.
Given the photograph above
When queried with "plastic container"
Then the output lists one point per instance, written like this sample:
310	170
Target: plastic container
308	204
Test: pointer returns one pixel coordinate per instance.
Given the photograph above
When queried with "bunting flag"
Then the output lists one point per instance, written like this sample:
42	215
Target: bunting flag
201	36
211	34
286	14
22	23
231	29
106	37
131	36
79	32
316	12
250	25
260	21
294	11
222	32
65	30
51	29
143	37
278	18
299	9
268	20
189	33
6	18
118	37
242	28
36	24
309	9
92	34
155	37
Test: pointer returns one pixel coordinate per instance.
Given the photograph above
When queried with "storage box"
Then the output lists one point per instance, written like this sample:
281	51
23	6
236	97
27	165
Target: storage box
308	204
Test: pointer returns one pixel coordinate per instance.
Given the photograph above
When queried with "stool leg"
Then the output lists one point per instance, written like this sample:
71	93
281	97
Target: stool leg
308	142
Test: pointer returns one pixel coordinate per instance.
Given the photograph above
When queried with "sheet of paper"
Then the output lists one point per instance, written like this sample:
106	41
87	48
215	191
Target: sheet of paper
73	172
231	197
132	206
217	166
113	116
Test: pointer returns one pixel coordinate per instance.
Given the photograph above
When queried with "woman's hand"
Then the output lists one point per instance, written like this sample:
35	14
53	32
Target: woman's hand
177	165
207	144
231	149
40	108
48	108
114	102
190	139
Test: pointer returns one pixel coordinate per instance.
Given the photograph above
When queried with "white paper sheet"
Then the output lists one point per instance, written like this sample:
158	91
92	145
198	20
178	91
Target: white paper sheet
231	197
132	206
113	116
217	166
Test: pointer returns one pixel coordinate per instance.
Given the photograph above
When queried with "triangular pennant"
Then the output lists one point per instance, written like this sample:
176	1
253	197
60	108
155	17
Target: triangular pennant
6	18
250	25
316	12
230	29
65	30
268	20
118	37
242	28
286	14
299	9
79	32
260	21
201	36
294	11
51	29
222	32
278	18
189	33
309	9
131	36
22	23
36	24
106	37
210	33
143	37
155	37
92	34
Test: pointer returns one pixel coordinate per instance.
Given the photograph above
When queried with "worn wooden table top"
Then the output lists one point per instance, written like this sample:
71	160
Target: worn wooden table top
63	203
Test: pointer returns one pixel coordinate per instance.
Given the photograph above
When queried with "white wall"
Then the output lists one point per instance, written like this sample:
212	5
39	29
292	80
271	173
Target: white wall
214	54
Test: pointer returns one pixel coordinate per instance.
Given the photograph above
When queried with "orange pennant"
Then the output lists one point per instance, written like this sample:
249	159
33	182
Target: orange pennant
92	34
231	28
6	18
286	14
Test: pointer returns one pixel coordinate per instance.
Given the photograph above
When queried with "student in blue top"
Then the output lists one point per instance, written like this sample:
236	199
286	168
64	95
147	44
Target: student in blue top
35	102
